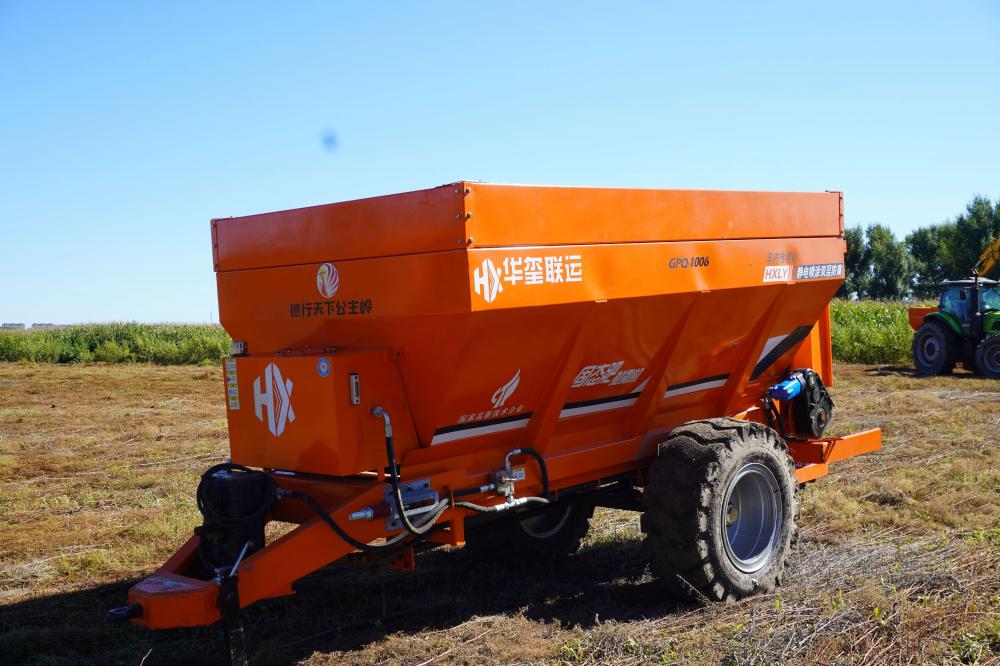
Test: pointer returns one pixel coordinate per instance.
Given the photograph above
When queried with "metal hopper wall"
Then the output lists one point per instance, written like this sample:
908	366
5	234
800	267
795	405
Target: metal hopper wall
667	330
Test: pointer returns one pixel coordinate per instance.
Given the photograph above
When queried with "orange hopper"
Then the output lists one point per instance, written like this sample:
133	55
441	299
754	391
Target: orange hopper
531	352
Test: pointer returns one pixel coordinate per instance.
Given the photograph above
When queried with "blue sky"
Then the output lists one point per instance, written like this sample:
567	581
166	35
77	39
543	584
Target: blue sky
125	127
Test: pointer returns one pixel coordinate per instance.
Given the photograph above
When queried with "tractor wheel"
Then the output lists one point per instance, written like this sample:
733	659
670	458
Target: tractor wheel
988	357
935	349
541	538
721	502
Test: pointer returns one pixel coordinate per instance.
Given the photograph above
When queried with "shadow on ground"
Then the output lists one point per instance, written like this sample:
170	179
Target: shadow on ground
345	608
891	371
909	371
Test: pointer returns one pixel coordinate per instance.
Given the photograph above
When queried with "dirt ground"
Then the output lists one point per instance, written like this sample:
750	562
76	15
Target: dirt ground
897	563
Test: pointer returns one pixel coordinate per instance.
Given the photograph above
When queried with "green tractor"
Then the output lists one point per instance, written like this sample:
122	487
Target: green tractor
964	327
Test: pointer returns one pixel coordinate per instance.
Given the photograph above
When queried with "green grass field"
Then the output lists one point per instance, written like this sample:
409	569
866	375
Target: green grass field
896	563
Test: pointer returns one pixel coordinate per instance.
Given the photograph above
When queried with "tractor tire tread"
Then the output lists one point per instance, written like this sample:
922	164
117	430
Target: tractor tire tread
676	522
949	344
986	366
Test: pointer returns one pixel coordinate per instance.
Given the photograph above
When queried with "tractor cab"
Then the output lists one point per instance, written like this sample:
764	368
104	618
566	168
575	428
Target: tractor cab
989	299
963	300
955	301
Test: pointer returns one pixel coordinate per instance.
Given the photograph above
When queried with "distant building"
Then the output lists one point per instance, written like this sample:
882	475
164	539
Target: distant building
15	327
44	326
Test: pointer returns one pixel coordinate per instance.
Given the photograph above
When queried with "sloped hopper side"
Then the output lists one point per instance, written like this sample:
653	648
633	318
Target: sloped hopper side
574	343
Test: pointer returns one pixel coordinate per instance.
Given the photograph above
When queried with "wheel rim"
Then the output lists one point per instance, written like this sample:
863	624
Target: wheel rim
752	517
547	523
929	349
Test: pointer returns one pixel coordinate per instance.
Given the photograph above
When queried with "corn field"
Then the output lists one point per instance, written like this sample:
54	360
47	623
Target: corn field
162	344
870	332
863	332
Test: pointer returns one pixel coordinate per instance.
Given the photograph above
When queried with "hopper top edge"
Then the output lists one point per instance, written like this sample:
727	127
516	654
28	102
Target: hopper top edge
467	213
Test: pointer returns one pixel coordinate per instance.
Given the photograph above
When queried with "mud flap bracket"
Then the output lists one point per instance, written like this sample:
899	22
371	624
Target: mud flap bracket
813	456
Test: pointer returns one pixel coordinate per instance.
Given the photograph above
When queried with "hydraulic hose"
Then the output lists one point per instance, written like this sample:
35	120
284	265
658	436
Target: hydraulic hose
497	508
215	520
411	529
233	521
511	502
435	513
542	468
438	509
474	490
397	494
773	416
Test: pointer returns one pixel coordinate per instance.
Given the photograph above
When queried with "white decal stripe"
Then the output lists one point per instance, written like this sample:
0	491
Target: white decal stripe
715	383
771	344
599	407
482	430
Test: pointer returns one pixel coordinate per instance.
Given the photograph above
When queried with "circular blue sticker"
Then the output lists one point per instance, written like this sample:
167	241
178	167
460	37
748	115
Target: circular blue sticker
323	367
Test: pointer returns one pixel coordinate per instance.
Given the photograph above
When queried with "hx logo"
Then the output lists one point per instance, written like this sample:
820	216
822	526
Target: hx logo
486	280
277	397
501	395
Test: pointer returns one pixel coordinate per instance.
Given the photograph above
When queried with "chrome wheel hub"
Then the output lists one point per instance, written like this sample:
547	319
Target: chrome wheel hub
753	517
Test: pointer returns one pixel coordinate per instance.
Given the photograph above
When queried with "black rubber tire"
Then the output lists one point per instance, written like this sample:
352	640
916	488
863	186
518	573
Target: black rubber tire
988	357
545	537
935	349
685	518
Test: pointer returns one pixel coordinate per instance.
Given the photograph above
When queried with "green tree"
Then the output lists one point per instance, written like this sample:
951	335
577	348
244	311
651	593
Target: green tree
928	248
950	250
891	272
974	229
857	264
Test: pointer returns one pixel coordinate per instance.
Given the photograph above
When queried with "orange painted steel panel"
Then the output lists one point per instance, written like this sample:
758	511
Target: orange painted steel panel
517	215
546	344
916	316
271	426
584	323
487	215
811	472
412	222
834	449
854	444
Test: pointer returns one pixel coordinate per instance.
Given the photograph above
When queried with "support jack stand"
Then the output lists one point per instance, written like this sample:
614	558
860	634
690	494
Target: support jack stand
232	615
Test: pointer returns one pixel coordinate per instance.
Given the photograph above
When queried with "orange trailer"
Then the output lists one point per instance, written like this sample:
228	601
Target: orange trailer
489	362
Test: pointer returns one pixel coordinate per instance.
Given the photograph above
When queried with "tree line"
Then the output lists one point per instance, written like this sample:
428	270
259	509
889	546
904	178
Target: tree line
878	265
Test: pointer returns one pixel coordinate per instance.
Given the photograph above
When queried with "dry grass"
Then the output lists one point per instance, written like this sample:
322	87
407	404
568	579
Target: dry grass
897	563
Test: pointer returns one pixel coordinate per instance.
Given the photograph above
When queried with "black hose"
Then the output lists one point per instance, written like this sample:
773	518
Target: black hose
234	521
541	466
474	490
773	416
397	494
215	521
328	519
271	494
